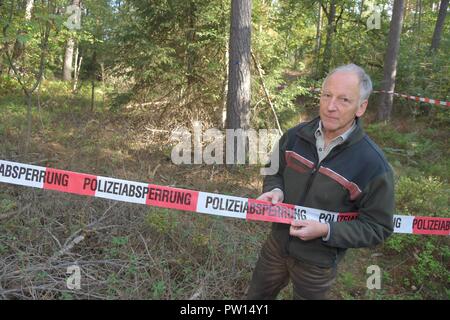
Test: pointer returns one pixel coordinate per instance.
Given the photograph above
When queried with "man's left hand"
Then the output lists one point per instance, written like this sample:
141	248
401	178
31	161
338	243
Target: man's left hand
308	229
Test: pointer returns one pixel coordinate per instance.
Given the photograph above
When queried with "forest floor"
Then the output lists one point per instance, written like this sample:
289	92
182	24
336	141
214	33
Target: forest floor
132	251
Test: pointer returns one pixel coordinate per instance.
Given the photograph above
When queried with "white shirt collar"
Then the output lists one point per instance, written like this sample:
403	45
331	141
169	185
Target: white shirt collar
341	137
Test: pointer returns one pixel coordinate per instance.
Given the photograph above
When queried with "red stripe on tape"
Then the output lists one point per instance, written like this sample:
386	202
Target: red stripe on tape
183	199
68	181
431	225
347	216
265	211
418	99
174	198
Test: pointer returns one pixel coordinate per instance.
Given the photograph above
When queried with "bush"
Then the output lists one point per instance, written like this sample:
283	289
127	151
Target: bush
422	196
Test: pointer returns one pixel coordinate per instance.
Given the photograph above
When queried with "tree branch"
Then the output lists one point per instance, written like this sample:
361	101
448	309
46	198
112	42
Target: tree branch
324	8
339	17
266	92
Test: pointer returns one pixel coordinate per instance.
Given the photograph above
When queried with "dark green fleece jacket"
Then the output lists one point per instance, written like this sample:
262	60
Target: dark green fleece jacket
354	177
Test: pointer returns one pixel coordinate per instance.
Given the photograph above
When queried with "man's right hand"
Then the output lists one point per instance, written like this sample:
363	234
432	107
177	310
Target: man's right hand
274	196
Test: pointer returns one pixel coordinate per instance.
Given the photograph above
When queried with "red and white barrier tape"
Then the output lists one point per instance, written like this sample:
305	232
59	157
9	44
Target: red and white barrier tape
195	201
418	99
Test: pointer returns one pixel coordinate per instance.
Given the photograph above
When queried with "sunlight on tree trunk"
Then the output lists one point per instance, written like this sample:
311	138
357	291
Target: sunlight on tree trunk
238	101
68	53
390	62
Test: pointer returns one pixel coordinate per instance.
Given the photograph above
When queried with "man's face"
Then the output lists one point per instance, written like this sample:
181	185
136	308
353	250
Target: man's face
339	103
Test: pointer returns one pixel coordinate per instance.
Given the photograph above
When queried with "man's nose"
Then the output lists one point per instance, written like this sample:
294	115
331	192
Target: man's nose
332	104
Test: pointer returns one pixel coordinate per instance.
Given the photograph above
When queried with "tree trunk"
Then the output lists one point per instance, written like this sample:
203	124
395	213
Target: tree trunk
102	68
361	10
328	43
439	25
416	27
29	100
93	77
405	10
416	10
318	39
419	19
223	111
68	55
238	97
190	39
19	47
75	70
28	92
92	95
68	60
390	61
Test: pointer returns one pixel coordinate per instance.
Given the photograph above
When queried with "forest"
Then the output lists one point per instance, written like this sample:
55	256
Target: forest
104	87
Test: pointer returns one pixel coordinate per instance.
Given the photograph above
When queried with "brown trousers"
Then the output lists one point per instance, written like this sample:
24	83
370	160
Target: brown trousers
274	269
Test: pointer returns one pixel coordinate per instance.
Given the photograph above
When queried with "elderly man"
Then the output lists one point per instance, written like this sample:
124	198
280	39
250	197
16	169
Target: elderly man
328	163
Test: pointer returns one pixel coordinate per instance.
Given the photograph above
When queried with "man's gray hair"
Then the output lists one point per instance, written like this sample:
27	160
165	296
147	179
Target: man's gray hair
365	84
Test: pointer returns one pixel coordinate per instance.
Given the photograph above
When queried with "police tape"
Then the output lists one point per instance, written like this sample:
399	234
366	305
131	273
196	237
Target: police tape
196	201
415	98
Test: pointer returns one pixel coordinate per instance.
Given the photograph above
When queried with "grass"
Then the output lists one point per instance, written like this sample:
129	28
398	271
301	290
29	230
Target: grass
136	252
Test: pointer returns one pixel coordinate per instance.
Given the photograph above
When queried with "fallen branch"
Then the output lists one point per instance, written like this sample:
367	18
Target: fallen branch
75	238
67	247
266	92
197	294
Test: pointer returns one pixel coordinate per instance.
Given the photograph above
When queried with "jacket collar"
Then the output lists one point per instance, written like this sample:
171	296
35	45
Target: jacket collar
308	130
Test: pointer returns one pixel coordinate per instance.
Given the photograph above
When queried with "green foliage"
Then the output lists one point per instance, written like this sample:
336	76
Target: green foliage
26	37
419	156
66	296
415	151
162	220
430	267
348	280
9	85
119	241
422	194
181	43
158	289
399	242
118	100
415	196
7	204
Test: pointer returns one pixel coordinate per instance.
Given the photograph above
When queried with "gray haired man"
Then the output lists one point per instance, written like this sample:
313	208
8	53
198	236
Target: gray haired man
328	163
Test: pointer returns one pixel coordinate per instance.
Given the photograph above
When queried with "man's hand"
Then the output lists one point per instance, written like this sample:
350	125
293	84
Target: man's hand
308	229
274	196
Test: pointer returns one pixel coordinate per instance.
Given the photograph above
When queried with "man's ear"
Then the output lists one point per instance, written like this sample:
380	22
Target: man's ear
362	108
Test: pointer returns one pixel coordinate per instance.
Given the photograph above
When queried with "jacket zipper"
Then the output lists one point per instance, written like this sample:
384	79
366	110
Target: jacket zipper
312	175
314	171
